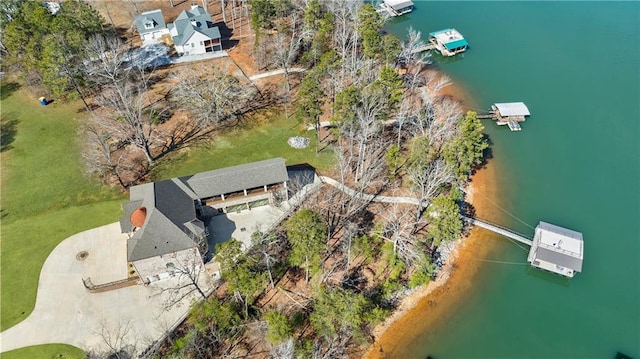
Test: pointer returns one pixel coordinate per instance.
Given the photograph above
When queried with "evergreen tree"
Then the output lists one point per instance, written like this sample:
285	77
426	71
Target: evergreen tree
307	234
466	151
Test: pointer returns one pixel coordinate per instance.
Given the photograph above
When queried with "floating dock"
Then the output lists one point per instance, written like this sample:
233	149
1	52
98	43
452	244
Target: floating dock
510	114
395	7
449	42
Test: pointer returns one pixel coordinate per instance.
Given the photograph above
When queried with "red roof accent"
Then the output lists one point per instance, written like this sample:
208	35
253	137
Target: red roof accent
138	216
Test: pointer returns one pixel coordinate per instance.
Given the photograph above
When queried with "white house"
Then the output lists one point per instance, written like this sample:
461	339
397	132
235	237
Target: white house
151	25
193	32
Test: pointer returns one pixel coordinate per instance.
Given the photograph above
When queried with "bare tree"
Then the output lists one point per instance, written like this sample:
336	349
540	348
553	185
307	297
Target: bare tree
210	94
99	153
128	113
399	224
264	244
189	278
107	59
429	180
119	342
284	350
288	42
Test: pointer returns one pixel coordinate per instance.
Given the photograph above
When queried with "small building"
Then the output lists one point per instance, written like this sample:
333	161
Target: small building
510	114
557	250
396	7
193	32
151	25
449	42
165	220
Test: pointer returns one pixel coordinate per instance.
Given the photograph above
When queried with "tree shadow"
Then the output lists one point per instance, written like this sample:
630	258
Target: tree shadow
8	131
7	89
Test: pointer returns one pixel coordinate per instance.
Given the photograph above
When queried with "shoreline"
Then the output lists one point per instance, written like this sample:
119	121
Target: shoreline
422	308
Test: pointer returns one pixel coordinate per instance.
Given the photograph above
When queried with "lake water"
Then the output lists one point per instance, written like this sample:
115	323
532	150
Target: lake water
576	163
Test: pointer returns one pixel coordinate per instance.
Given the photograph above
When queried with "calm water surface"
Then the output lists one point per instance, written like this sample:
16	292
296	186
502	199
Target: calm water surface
576	164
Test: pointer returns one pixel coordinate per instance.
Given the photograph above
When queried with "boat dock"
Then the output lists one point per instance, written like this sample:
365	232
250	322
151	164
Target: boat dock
510	114
449	42
553	248
500	230
395	7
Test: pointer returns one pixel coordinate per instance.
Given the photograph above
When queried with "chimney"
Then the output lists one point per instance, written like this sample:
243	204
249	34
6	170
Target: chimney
194	6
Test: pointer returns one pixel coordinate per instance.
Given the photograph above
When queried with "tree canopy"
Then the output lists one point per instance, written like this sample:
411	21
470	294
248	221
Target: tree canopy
307	234
49	48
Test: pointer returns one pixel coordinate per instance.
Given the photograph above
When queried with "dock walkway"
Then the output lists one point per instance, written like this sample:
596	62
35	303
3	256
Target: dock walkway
500	230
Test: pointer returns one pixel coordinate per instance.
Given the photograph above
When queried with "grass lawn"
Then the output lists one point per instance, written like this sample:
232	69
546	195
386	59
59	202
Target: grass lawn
53	351
263	136
45	196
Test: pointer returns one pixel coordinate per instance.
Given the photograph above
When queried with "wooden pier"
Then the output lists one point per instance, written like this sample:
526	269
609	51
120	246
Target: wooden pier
500	230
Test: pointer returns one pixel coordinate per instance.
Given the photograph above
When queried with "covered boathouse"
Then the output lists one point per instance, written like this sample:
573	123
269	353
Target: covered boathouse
396	7
449	42
557	250
510	114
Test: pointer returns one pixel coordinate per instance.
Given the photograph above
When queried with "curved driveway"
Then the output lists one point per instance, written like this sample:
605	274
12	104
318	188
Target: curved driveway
65	312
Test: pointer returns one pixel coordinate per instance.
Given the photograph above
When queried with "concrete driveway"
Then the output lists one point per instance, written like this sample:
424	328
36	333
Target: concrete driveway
66	312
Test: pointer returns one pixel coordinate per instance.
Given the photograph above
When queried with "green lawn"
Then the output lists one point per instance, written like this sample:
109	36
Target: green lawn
52	351
45	196
259	139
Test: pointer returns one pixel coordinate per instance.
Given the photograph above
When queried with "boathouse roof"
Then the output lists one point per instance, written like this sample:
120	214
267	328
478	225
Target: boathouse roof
512	109
450	38
398	4
557	249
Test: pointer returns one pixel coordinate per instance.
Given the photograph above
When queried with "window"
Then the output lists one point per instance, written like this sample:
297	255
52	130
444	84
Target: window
201	43
193	44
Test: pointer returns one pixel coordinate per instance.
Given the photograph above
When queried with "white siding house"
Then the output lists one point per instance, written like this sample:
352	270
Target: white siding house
151	25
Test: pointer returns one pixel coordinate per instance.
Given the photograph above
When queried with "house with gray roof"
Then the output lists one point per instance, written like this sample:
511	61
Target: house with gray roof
151	25
193	32
165	220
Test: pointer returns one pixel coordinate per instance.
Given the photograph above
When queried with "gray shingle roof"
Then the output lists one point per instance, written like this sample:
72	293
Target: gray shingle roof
559	259
171	216
154	16
237	178
125	221
185	28
159	236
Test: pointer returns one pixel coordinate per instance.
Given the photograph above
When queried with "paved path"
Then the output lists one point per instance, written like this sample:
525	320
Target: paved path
276	72
65	312
370	197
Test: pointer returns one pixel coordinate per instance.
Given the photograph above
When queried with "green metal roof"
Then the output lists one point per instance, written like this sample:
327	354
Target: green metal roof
456	44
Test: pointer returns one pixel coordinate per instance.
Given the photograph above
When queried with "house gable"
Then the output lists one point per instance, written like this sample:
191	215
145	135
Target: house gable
150	21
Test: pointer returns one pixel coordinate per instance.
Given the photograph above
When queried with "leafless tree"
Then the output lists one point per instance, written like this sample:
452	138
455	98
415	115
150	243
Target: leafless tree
284	350
264	244
399	224
189	279
288	42
128	114
428	180
411	54
99	153
119	342
107	59
210	94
